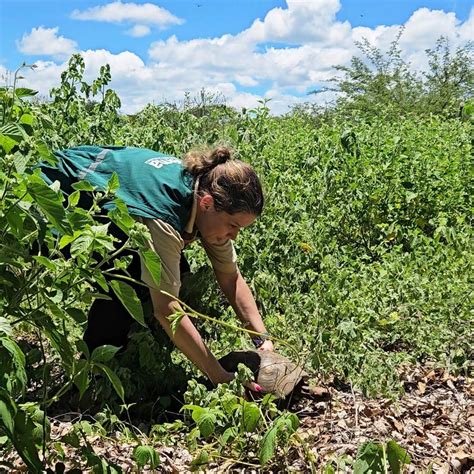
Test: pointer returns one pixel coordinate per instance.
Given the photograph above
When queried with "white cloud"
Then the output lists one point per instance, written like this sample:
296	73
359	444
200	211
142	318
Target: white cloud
138	14
46	42
139	30
229	62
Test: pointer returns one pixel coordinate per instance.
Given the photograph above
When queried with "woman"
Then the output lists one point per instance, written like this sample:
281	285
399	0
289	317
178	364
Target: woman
209	196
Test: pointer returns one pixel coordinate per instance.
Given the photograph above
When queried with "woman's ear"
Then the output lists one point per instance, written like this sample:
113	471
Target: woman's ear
206	202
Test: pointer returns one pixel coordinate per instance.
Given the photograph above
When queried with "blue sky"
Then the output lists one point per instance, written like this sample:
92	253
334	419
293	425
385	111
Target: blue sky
243	49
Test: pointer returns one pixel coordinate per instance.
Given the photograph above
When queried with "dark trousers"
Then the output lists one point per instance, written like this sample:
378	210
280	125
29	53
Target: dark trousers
108	321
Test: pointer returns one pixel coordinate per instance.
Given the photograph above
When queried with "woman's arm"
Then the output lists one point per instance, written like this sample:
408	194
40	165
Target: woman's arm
240	297
188	340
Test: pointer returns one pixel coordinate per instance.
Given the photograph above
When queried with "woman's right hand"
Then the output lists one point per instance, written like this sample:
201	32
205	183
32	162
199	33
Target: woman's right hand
226	377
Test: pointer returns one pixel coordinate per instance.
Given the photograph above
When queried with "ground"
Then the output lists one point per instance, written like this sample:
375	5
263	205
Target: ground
433	421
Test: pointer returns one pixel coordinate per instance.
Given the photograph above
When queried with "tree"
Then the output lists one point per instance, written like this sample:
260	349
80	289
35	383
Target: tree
384	83
449	82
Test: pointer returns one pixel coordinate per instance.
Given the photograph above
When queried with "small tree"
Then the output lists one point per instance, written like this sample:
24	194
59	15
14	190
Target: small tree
383	82
449	82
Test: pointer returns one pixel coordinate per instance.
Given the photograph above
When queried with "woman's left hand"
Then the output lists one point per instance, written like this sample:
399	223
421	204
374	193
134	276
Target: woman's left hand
266	346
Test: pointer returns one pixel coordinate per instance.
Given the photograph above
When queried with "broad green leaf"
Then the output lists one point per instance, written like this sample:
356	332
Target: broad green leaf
250	416
129	299
81	378
206	423
145	455
18	358
81	346
27	119
196	411
77	314
16	220
24	443
268	445
58	340
51	205
120	216
83	186
397	457
7	414
20	161
104	353
5	327
7	143
100	279
114	184
72	439
82	244
153	264
45	153
79	219
25	92
67	239
229	435
114	379
200	460
73	198
369	459
46	262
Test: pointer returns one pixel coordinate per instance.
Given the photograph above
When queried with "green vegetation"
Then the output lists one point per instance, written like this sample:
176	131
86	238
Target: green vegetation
361	261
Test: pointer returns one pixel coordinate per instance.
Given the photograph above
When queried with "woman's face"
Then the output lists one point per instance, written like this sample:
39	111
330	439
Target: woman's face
216	227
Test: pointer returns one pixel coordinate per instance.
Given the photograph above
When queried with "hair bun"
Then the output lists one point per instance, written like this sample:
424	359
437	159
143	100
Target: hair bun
221	155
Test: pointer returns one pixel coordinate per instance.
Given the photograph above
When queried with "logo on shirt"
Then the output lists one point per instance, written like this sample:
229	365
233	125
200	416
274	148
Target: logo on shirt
162	161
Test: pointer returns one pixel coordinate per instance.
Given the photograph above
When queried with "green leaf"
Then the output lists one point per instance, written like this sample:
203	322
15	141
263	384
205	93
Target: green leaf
83	186
5	327
18	358
229	435
104	353
8	143
206	423
369	459
24	443
114	184
397	457
25	92
129	299
201	459
46	262
196	411
153	264
7	414
78	315
250	416
81	379
67	239
175	320
114	379
73	198
268	445
27	119
20	161
50	204
144	455
72	439
120	216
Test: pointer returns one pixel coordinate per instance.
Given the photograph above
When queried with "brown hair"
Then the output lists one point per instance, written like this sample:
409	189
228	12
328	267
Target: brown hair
233	184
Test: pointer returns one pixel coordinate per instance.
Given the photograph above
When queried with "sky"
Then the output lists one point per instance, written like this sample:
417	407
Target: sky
242	50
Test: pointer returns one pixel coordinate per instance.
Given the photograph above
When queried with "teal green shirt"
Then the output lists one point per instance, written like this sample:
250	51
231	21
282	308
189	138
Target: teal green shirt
152	185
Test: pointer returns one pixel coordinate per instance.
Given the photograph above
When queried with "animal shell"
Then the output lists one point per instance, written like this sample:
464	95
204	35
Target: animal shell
273	372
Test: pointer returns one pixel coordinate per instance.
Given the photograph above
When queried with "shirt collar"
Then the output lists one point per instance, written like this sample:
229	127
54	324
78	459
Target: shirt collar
189	231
